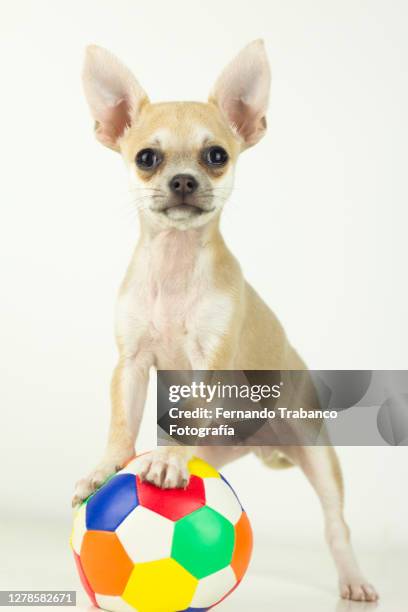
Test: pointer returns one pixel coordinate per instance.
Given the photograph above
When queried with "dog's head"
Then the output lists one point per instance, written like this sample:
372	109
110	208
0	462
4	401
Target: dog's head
181	155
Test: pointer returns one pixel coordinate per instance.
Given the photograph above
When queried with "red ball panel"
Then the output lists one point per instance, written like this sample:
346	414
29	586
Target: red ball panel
172	503
84	580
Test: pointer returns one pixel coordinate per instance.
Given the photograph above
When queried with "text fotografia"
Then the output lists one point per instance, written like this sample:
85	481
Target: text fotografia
211	414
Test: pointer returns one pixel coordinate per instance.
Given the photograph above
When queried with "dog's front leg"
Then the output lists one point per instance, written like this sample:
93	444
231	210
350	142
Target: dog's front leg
167	467
128	395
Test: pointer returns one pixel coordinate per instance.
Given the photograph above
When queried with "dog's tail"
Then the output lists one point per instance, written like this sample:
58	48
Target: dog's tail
273	459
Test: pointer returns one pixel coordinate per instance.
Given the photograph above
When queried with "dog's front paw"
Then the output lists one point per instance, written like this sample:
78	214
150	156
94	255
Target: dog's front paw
164	468
88	485
357	589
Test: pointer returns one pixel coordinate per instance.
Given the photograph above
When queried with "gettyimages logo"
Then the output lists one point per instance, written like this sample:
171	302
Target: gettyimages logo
208	392
258	408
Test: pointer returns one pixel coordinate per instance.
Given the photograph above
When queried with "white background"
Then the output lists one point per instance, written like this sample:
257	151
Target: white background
318	220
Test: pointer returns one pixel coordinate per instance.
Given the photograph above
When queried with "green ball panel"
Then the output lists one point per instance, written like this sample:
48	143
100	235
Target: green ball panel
203	542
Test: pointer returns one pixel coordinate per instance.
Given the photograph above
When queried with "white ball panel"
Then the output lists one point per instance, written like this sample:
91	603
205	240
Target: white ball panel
113	603
146	535
212	588
219	497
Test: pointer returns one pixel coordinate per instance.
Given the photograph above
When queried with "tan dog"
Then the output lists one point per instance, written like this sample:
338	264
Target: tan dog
184	303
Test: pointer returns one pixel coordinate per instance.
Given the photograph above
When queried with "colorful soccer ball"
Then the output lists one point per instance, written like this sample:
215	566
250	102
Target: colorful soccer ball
138	547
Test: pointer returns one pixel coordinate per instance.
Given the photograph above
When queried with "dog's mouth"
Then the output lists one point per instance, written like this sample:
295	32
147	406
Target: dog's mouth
183	210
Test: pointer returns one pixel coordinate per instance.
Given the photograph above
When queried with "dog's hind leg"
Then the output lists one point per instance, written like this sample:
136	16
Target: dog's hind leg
322	468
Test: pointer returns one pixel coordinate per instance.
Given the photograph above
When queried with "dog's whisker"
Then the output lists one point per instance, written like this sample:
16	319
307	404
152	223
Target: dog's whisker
140	205
138	188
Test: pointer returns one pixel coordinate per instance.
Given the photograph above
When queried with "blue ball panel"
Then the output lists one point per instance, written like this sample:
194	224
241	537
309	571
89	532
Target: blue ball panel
195	610
112	503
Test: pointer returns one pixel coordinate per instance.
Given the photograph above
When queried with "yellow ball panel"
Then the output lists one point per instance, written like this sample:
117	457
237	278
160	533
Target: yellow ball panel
160	586
198	467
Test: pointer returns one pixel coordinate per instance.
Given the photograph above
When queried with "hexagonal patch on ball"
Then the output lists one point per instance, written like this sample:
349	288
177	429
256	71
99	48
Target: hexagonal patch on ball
220	497
116	603
203	542
106	565
172	503
107	508
160	585
212	588
146	535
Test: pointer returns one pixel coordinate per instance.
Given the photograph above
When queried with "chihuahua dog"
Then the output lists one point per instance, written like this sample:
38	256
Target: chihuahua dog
184	303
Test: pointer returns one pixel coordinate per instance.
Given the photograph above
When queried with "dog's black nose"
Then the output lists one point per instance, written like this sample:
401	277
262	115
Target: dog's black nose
183	184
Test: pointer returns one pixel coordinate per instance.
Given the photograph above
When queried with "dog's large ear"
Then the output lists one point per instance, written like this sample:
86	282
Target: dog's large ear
114	95
242	91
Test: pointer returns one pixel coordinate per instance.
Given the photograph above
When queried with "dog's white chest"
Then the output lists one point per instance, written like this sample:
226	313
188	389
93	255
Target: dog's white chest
171	311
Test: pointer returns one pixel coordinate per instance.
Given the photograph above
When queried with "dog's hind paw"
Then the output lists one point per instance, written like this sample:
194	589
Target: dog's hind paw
357	590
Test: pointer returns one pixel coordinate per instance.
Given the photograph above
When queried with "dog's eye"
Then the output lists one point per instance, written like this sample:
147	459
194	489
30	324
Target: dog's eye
148	159
215	156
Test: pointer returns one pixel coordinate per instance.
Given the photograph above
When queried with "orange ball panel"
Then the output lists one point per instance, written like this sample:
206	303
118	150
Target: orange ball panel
105	562
243	546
